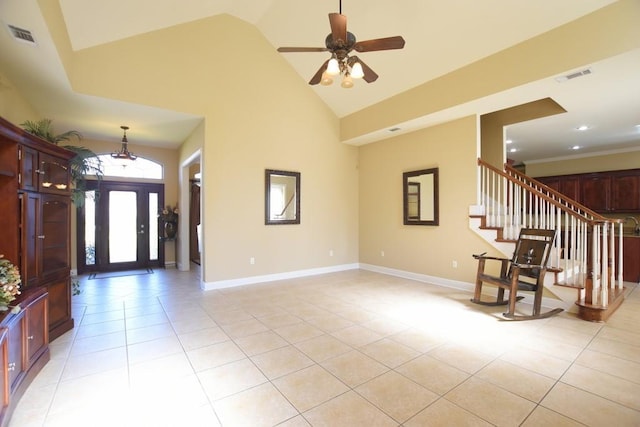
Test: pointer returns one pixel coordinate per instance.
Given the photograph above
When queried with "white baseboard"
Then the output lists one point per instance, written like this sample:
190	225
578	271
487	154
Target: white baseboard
455	284
440	281
434	280
221	284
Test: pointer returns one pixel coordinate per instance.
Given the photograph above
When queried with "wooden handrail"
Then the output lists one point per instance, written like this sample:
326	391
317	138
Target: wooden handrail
570	203
598	219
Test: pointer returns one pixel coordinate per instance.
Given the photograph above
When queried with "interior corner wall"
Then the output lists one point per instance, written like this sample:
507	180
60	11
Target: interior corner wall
492	141
428	250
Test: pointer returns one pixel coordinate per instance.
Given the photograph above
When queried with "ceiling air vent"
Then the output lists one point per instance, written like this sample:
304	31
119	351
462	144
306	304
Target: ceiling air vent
396	129
574	75
21	34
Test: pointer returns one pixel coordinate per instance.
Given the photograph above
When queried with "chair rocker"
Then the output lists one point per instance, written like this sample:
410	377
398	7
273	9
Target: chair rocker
524	272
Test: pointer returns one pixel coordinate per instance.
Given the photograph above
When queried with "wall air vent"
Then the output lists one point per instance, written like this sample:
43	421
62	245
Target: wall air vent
22	34
574	75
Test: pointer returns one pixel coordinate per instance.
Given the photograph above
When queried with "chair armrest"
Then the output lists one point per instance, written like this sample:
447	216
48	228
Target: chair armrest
483	256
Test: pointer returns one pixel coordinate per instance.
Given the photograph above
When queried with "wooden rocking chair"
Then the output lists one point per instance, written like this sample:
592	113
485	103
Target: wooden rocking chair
524	272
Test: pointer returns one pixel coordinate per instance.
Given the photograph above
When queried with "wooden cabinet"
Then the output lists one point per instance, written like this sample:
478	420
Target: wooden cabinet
568	185
603	192
24	348
8	196
596	192
630	258
35	194
46	253
4	377
625	192
43	172
16	364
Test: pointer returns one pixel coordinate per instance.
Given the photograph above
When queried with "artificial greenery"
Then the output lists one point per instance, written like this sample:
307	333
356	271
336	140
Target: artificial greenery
83	164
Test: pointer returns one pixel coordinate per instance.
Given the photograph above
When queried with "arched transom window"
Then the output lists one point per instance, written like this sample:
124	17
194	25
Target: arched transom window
138	168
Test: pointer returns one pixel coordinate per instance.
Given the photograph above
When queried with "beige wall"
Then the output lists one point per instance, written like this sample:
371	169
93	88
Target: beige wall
429	250
582	164
13	106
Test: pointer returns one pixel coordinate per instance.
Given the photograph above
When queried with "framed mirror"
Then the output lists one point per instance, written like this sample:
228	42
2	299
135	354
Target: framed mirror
420	197
282	197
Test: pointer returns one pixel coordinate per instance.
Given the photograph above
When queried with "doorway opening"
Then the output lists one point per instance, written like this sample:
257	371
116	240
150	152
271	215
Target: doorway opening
118	227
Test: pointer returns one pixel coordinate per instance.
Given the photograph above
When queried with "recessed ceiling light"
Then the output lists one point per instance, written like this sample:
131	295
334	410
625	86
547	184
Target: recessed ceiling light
513	150
583	127
508	141
575	147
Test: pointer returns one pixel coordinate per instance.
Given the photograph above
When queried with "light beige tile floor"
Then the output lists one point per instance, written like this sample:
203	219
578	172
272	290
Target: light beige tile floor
354	348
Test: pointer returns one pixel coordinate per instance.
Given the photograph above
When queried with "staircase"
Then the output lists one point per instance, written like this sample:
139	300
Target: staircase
583	255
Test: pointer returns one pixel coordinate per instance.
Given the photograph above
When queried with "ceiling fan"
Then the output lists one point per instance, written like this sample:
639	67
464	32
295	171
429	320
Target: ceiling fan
340	43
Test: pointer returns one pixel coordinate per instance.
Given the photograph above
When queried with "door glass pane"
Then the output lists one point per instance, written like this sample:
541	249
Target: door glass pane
55	228
154	208
90	228
123	231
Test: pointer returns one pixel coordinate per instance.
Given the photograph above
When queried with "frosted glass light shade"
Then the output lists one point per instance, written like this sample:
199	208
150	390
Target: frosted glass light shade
333	68
347	82
326	80
356	71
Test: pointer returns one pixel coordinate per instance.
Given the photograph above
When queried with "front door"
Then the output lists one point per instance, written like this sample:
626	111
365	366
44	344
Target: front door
118	227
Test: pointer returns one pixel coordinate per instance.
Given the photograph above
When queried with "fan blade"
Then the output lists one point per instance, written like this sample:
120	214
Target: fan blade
370	76
302	49
318	75
387	43
338	27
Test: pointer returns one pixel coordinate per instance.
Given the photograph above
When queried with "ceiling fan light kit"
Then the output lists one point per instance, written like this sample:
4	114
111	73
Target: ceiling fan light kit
340	43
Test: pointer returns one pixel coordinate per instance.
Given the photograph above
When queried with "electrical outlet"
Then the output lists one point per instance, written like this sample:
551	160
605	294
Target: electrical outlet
381	253
454	264
252	260
330	252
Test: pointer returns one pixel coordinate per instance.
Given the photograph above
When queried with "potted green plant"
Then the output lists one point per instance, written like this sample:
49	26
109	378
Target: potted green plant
83	164
9	284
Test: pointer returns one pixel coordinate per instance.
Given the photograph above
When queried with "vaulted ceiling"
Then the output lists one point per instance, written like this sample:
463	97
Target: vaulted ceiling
440	37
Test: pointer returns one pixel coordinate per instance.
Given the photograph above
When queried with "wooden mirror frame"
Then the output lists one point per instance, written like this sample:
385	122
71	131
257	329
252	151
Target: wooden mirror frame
411	198
291	211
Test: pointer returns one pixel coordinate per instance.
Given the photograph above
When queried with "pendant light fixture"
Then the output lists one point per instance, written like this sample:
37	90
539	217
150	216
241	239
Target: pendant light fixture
124	156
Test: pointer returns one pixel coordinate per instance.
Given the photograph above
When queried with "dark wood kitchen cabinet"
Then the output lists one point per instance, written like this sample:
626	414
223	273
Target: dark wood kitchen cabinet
625	192
603	192
596	192
630	258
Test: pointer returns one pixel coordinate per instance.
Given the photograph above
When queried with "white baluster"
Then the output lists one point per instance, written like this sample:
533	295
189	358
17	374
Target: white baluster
620	256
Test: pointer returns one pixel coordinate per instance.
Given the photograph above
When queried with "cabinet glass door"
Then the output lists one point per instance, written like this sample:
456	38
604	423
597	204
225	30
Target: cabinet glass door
55	234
